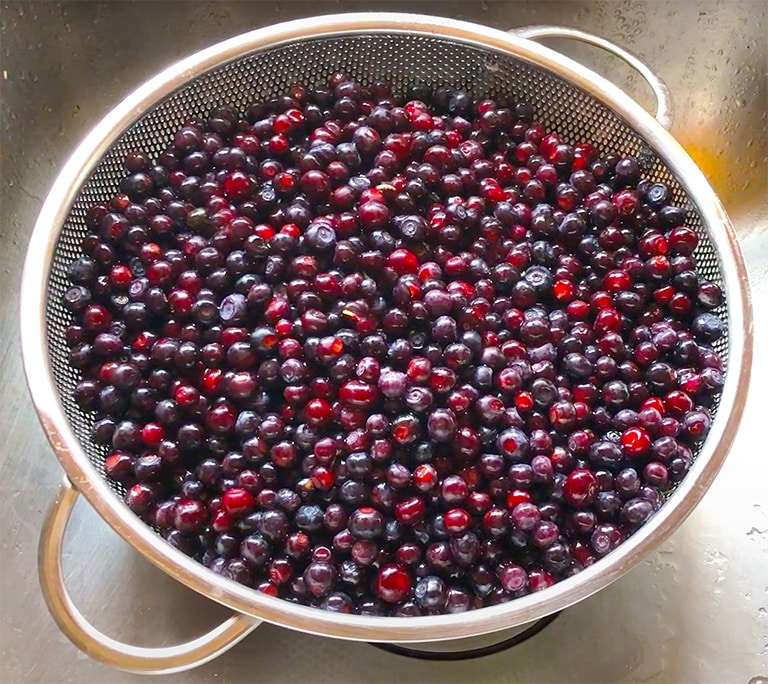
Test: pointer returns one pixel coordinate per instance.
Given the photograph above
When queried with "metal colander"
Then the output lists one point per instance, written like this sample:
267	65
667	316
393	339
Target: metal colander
405	50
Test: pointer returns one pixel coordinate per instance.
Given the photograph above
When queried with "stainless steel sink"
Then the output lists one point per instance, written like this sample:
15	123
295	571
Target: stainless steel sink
696	611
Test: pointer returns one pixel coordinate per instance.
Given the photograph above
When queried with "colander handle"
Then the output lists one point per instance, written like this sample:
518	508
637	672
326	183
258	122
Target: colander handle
87	638
661	92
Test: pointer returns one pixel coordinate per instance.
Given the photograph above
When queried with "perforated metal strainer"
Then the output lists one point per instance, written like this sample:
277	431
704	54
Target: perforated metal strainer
405	50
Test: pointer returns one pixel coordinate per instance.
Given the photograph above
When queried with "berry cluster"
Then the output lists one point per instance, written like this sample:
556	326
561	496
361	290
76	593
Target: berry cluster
392	356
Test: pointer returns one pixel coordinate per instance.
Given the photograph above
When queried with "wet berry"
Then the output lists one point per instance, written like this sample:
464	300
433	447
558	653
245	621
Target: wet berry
392	583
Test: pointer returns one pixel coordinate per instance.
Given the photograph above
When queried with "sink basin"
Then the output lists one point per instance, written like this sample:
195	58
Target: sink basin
64	65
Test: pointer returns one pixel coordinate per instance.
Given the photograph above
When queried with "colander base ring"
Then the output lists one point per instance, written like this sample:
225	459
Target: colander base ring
470	653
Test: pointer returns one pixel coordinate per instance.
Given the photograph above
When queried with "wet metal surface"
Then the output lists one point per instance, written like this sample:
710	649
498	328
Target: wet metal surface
695	611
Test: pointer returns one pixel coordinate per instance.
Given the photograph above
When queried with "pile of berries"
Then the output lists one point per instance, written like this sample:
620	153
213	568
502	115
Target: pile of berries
392	356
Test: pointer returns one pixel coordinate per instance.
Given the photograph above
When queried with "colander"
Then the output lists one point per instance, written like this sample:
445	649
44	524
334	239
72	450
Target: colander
405	50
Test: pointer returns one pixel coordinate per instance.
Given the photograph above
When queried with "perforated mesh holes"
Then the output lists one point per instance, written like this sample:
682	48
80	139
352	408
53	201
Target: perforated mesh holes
403	60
